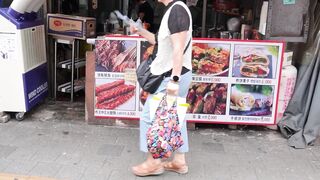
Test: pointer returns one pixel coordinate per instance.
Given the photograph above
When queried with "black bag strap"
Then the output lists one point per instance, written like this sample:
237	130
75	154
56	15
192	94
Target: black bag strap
187	46
153	55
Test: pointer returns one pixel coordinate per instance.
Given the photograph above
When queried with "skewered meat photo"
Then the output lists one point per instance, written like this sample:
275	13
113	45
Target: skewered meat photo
210	59
115	95
207	98
115	55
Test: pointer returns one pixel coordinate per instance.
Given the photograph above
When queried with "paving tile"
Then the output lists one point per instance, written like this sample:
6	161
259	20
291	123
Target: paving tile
23	153
68	172
242	172
46	155
20	167
213	148
110	150
72	158
7	127
95	172
5	150
121	174
4	163
45	169
91	159
265	173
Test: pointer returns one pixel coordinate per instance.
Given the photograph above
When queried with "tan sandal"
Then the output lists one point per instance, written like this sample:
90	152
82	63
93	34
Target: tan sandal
146	170
171	166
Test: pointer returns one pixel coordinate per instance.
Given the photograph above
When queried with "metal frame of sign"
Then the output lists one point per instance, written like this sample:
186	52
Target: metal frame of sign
243	91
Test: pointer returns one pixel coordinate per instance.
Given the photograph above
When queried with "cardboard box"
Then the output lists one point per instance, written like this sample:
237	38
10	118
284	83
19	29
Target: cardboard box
71	26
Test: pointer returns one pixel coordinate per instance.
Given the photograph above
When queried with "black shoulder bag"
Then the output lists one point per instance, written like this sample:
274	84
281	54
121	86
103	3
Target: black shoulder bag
148	81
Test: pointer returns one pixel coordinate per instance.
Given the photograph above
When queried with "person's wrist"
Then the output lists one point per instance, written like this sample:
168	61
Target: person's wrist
175	78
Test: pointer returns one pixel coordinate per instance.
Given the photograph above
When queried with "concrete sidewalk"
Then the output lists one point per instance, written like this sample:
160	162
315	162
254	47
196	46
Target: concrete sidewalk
55	142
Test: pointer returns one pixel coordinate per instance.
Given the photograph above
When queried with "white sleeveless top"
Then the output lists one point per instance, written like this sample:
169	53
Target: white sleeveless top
164	60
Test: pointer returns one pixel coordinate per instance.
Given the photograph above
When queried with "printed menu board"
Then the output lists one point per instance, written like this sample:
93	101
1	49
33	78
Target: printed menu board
234	82
115	95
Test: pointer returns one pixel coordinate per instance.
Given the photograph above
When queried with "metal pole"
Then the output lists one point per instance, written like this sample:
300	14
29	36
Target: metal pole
78	54
59	6
72	70
204	14
55	69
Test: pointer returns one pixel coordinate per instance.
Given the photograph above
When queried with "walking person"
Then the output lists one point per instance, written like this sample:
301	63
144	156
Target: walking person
173	53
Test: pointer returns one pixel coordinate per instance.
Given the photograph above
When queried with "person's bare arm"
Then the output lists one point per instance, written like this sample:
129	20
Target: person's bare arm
179	42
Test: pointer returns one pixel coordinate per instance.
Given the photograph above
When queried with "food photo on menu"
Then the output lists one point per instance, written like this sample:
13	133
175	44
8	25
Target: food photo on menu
255	61
251	100
115	95
115	55
207	98
210	59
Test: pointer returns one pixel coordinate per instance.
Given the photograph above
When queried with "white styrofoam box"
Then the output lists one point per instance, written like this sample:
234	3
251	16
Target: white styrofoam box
282	106
287	85
288	82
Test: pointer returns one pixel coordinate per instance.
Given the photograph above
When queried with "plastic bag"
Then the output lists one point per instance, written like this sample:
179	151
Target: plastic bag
164	135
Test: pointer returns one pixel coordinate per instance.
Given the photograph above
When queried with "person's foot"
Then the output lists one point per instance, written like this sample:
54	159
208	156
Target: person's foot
148	169
180	168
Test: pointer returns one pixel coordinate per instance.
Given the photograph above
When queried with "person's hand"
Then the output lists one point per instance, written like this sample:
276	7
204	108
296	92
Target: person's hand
172	88
133	29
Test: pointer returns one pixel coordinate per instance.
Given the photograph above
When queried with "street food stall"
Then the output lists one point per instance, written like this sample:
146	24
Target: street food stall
234	81
228	35
241	72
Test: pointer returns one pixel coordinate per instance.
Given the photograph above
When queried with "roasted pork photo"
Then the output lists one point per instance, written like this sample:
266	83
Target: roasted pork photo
207	98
